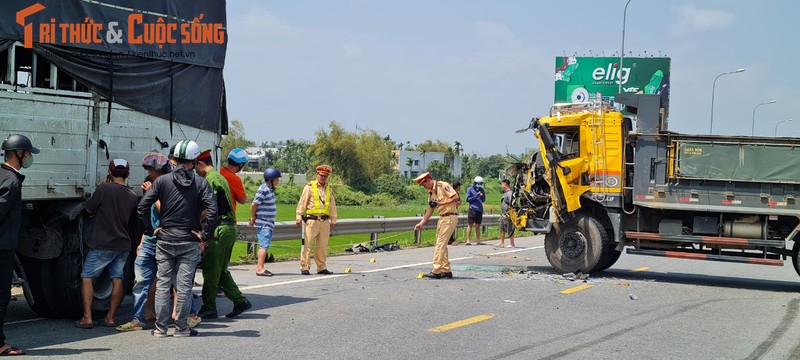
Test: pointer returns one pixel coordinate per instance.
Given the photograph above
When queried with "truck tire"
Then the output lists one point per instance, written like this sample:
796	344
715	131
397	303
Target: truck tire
68	273
578	245
613	256
795	253
39	275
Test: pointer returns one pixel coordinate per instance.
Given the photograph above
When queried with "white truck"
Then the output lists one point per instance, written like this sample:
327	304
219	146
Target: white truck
57	94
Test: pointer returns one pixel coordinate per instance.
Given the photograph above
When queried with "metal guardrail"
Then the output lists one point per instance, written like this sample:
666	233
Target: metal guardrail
287	230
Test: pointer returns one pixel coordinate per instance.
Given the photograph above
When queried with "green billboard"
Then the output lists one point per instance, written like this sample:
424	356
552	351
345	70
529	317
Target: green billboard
580	79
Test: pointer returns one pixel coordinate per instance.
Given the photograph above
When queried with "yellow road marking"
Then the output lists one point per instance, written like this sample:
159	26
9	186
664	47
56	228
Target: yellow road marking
458	324
643	268
576	289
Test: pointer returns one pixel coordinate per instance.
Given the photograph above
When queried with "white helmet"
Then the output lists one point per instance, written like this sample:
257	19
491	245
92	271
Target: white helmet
478	179
187	150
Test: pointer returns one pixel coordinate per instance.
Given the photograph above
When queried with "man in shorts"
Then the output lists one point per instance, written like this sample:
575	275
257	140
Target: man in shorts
506	225
475	197
113	205
262	215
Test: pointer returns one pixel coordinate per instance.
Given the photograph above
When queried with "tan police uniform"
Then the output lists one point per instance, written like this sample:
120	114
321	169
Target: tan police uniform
448	221
318	206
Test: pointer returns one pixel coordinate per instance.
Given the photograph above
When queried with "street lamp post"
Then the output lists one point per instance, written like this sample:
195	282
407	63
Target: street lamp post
781	122
753	127
622	51
713	90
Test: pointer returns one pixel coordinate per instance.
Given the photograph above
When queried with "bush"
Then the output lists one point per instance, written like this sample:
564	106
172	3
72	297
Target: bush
347	196
392	184
416	194
382	200
289	193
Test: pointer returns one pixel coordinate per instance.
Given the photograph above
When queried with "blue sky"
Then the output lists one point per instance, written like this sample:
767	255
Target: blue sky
476	71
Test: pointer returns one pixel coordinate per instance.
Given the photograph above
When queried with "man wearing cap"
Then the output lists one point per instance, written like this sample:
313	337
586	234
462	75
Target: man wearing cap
219	248
237	159
444	199
113	206
317	208
18	153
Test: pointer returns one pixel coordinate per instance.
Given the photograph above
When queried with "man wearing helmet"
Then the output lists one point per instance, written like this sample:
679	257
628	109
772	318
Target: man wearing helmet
183	196
18	153
219	248
262	215
475	198
237	159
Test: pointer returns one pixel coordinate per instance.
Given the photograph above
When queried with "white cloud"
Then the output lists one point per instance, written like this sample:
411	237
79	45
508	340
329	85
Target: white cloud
493	32
266	23
500	51
693	20
352	50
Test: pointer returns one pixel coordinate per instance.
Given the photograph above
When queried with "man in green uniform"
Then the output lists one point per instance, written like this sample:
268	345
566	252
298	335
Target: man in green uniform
218	250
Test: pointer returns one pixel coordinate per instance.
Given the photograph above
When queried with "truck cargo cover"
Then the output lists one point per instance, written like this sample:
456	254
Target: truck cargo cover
773	163
164	58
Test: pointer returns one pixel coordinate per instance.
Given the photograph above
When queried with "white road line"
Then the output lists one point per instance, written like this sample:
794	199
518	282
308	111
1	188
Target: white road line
291	282
24	321
376	270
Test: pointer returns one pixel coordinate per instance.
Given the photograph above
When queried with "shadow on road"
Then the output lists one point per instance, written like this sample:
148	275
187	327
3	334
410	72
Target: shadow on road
28	330
688	279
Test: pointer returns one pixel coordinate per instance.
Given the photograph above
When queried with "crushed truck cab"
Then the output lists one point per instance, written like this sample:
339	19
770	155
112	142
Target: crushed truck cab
599	185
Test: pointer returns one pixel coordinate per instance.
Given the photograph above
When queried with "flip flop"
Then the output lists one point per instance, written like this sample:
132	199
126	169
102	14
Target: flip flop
111	324
264	273
78	324
12	351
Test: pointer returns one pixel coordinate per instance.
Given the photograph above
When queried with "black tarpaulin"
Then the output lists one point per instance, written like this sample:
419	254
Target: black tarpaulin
174	72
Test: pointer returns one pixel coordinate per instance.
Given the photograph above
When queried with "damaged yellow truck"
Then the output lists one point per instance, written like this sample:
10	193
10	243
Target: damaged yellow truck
600	185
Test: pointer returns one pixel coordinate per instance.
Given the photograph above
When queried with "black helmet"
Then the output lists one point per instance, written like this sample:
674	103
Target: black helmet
19	142
271	173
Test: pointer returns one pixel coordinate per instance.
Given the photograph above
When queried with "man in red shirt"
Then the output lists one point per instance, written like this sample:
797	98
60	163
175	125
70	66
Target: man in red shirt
237	159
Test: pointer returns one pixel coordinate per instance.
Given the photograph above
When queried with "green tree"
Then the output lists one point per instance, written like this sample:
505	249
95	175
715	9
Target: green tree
294	158
359	158
440	171
234	139
432	146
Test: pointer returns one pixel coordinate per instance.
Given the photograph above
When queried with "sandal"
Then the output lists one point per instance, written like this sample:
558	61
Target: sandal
186	333
78	324
264	273
12	351
157	333
130	326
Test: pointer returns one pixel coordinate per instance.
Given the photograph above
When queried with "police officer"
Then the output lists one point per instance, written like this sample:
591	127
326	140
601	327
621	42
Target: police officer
317	208
443	198
18	153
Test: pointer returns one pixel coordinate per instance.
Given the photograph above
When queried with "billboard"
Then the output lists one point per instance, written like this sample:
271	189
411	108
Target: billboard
579	79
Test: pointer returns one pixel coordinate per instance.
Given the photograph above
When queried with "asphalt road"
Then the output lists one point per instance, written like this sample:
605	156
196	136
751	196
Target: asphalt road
502	304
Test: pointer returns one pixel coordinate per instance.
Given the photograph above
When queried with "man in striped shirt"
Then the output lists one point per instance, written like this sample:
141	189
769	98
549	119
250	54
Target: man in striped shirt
262	215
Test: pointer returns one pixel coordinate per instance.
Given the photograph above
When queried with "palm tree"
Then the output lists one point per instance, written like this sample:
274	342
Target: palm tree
409	163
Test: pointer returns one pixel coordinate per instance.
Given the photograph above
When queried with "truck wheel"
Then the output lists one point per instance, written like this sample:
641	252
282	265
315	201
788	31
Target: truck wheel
613	256
20	274
795	259
577	245
39	276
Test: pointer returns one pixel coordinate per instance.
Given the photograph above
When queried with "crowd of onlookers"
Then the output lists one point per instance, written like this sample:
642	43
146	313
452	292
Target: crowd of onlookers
187	215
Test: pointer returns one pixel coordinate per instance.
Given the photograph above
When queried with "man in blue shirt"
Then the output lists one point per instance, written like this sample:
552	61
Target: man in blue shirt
475	198
262	215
